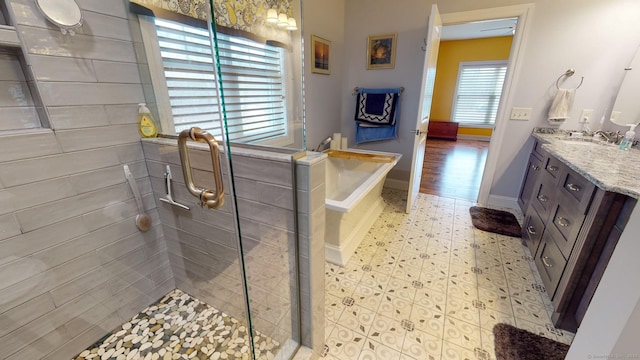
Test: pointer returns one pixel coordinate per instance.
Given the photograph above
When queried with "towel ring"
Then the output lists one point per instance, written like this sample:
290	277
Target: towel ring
568	73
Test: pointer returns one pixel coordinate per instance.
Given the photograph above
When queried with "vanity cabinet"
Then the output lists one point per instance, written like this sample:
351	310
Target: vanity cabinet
570	227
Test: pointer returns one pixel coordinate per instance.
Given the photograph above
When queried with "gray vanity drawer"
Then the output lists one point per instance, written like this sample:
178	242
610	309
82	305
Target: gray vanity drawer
534	170
554	167
537	149
577	188
532	230
565	223
550	263
544	195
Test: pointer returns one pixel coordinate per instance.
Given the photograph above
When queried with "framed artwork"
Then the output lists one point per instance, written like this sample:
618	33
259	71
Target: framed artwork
381	51
320	55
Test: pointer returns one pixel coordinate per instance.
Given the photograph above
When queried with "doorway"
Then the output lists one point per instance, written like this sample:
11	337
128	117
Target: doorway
472	63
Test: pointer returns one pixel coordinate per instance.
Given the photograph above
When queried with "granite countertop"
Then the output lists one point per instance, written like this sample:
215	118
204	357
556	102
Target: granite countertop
603	164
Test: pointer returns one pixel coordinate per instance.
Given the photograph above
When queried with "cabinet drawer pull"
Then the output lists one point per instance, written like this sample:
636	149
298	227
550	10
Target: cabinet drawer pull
573	187
535	167
545	261
562	221
543	198
553	168
531	230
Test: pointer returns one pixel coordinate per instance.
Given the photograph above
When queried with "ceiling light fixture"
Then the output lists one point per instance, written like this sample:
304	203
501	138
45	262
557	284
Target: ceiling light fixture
292	25
272	16
283	21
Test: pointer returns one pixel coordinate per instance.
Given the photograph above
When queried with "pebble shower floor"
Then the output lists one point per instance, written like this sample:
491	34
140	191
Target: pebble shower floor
180	327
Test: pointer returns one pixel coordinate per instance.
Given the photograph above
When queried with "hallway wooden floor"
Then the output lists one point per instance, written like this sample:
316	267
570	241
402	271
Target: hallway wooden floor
453	168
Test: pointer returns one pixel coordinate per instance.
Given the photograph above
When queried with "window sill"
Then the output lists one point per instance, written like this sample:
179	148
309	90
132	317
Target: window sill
477	126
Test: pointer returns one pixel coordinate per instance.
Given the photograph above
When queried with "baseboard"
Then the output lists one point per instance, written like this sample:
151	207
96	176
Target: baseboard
396	184
474	137
503	202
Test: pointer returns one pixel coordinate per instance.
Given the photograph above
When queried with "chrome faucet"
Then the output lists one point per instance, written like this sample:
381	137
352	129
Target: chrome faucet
612	137
324	142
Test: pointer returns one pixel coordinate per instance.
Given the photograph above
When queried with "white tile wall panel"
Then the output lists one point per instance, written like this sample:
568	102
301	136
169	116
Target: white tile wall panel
279	196
106	26
45	42
91	138
114	8
50	213
48	236
27	13
22	197
117	72
85	244
273	172
268	214
76	287
114	212
129	153
122	114
25	313
62	94
76	117
25	146
46	167
52	68
8	228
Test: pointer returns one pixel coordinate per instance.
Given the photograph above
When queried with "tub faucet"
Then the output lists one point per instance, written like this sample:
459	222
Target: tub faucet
324	142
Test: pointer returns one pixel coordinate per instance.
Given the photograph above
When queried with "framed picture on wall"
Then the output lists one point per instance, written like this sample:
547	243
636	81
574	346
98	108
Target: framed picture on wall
320	55
381	51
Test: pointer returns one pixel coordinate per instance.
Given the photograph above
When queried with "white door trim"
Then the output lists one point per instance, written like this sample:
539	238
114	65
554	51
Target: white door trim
523	13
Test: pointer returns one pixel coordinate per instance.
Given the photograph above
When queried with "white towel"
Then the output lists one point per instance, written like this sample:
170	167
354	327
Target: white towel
561	105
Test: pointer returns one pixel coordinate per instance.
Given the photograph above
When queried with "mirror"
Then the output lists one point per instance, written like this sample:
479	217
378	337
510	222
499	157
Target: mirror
63	13
626	110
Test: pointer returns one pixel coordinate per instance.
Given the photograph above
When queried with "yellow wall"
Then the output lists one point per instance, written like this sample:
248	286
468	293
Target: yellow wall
450	55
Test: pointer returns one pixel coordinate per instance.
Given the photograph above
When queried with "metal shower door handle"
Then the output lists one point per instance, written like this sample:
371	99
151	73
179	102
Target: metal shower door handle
213	199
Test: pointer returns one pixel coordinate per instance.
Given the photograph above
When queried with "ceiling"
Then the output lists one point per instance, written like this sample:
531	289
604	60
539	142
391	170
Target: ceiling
479	29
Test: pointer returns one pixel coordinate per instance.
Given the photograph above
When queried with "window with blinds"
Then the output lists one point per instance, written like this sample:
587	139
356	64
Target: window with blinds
252	78
478	92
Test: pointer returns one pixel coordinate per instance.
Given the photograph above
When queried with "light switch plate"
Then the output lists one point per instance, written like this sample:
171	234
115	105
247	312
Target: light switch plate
585	116
519	113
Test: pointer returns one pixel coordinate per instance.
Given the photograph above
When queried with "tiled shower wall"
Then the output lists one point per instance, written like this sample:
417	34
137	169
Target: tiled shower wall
202	242
72	263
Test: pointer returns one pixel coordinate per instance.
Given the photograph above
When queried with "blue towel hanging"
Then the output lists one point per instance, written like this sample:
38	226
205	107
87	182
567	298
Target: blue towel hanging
377	111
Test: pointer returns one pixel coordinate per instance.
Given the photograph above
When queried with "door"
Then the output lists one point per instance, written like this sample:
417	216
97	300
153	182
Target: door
426	94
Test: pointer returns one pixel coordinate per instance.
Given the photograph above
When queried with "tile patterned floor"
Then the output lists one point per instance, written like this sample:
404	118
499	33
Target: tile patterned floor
428	285
180	326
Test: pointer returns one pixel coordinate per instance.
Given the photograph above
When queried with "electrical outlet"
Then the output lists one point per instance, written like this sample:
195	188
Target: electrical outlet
518	113
585	116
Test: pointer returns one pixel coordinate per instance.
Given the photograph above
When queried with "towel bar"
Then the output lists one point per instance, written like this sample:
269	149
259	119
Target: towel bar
355	90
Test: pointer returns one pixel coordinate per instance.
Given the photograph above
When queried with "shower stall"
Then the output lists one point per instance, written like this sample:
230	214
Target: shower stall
195	244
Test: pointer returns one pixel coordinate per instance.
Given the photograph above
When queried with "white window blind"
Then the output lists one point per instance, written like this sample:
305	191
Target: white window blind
252	76
478	92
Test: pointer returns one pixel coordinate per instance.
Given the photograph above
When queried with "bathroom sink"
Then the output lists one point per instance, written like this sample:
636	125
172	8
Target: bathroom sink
584	142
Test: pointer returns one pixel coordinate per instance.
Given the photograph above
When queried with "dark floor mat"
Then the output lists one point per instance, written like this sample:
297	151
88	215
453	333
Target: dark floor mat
516	344
495	221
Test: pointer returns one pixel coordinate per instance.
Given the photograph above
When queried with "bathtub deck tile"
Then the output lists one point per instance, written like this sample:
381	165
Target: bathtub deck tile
428	285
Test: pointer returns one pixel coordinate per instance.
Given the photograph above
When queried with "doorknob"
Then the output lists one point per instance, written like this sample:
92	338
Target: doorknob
417	132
